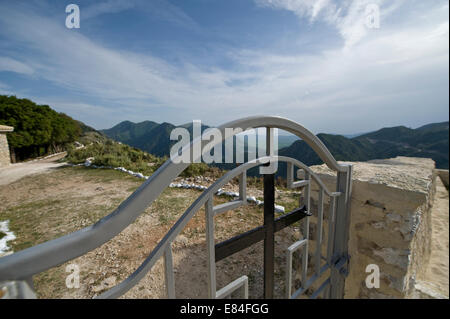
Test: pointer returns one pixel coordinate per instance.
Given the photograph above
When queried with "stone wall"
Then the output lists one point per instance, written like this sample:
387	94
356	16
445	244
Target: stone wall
390	223
443	175
4	150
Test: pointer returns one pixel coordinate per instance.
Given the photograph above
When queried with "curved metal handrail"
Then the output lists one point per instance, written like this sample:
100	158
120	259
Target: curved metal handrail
282	123
176	229
25	263
307	169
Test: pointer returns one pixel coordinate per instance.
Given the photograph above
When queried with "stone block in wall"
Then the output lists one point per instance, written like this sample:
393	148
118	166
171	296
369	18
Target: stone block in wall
390	223
443	175
4	150
5	158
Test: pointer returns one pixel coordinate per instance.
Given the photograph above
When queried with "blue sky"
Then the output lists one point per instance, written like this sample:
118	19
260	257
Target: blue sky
313	61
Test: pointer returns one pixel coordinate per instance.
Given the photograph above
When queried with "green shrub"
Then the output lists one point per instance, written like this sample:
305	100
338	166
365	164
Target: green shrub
114	154
195	169
38	130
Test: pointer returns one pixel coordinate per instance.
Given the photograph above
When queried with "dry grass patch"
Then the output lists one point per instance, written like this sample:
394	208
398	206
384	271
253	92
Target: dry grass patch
47	206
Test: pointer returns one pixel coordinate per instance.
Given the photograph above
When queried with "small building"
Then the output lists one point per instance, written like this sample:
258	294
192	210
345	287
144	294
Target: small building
5	158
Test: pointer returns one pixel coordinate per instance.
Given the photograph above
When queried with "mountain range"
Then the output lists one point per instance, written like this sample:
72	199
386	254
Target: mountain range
148	136
430	141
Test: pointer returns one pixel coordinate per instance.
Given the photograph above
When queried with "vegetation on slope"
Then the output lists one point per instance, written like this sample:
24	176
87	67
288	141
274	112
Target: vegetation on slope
38	130
147	135
110	153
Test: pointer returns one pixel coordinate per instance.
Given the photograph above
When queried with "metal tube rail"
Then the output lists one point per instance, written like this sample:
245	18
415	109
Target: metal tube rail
25	263
157	252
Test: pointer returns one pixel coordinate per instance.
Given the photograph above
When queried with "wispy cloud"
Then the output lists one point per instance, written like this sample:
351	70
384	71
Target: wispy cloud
349	17
390	71
11	65
160	9
105	7
167	11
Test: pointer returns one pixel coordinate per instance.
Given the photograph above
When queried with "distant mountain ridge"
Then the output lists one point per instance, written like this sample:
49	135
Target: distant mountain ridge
148	136
429	141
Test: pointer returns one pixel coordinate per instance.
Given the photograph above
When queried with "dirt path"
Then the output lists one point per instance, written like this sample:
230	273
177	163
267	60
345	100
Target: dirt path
14	172
437	274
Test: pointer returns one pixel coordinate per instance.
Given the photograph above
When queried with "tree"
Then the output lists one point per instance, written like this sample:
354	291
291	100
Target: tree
38	130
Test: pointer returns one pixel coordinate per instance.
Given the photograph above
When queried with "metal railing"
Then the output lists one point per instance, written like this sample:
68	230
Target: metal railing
22	265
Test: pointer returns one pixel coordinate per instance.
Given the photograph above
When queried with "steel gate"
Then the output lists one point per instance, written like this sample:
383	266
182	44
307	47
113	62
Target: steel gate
336	259
16	270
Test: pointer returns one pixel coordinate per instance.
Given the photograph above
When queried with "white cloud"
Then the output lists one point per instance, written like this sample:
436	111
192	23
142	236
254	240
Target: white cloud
397	66
349	17
12	65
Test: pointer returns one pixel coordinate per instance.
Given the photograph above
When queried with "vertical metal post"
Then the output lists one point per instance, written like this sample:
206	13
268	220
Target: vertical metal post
290	175
340	246
305	230
168	270
330	244
210	251
269	225
331	222
319	233
243	187
30	282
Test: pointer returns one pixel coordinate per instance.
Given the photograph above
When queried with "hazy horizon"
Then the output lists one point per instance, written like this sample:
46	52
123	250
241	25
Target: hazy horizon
281	131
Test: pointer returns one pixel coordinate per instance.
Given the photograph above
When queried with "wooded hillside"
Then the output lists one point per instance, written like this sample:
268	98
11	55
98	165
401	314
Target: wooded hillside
38	130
